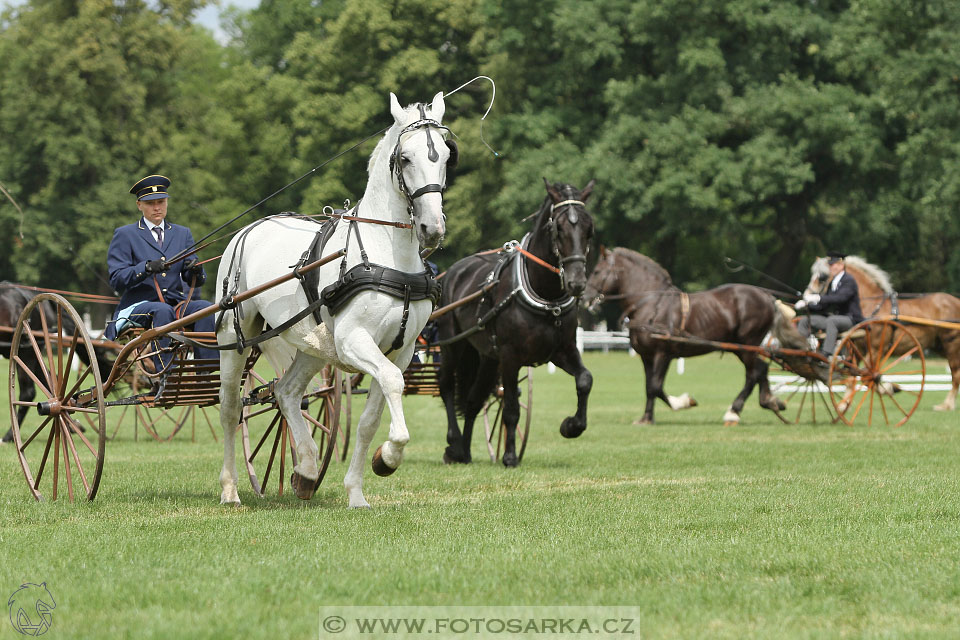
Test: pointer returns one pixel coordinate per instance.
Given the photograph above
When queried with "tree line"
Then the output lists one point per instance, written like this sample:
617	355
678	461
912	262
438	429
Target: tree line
767	131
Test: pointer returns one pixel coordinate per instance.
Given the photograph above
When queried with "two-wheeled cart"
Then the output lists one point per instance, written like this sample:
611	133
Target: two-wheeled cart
61	440
863	382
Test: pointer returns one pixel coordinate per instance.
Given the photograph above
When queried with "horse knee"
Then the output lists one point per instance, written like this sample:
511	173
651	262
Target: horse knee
584	382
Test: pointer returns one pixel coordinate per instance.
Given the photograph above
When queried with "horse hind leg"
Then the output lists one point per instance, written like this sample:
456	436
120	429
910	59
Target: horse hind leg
952	351
231	372
753	375
484	384
768	399
289	393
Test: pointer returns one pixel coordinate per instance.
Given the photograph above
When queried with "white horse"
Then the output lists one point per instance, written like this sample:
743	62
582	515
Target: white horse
407	172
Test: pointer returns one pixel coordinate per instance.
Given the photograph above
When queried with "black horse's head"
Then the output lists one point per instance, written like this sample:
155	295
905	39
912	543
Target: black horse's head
565	218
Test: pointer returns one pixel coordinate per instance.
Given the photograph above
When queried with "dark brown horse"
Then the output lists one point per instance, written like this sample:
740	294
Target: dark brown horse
732	313
877	297
527	316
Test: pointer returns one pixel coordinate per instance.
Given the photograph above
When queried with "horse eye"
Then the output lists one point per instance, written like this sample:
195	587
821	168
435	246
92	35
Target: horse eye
404	160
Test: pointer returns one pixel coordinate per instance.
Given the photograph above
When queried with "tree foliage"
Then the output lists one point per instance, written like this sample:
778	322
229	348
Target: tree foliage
764	130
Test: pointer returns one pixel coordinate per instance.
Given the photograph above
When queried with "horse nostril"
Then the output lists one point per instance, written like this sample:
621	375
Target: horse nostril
423	229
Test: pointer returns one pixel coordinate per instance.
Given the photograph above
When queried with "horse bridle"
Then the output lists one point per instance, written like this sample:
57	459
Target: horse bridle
601	296
396	166
554	232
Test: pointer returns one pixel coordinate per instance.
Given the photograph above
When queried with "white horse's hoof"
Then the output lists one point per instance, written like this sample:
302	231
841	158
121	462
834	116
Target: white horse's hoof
234	501
380	466
730	418
943	407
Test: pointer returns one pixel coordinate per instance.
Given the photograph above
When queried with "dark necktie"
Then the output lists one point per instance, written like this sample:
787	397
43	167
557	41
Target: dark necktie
159	233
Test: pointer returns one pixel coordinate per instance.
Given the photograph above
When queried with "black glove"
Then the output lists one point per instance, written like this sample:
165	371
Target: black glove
156	266
191	266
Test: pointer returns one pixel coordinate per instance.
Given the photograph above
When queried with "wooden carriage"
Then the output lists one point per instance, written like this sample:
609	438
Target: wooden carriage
61	442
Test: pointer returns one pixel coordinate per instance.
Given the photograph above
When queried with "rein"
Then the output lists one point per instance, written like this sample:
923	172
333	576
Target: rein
86	297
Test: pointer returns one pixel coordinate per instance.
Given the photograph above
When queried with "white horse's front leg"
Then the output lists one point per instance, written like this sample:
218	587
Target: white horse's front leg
359	350
289	393
366	428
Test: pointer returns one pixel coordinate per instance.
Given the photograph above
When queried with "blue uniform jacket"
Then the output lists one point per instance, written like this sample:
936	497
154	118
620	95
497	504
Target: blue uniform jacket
132	246
845	301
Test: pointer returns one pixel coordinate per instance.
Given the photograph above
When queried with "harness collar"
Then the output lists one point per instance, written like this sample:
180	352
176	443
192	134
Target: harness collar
529	297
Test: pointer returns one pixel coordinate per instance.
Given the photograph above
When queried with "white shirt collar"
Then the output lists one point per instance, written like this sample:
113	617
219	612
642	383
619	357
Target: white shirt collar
836	281
152	226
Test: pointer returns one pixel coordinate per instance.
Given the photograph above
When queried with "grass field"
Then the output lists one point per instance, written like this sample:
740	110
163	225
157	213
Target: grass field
759	531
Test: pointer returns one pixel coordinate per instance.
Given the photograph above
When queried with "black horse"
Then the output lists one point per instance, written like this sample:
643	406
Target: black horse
736	314
526	316
13	300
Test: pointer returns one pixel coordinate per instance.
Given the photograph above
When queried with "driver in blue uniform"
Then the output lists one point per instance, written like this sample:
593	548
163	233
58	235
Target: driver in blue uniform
150	289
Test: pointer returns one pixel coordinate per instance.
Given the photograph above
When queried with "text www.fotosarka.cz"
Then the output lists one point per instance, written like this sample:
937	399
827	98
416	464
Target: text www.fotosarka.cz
479	621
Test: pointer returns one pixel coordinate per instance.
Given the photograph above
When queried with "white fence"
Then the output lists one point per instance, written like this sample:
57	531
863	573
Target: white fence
932	382
602	341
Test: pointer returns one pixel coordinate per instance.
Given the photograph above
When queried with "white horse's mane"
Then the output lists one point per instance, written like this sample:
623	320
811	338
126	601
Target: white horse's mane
871	271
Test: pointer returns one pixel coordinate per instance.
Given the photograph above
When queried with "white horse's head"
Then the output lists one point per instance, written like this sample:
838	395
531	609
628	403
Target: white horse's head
419	162
819	276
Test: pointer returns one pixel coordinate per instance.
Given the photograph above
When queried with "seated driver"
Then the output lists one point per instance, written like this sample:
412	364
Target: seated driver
836	309
149	288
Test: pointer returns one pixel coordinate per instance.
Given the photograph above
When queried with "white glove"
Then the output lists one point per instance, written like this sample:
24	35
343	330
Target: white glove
800	304
811	298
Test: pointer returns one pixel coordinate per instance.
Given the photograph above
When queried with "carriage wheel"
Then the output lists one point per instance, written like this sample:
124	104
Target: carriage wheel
266	440
55	449
339	409
885	348
334	410
807	398
493	419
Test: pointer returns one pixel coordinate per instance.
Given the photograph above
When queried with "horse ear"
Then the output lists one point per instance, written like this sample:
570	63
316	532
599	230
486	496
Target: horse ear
554	194
587	190
454	158
438	107
395	109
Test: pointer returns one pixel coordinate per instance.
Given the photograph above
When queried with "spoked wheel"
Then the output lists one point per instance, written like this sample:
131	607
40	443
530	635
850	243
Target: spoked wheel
805	391
57	451
266	438
493	418
868	365
334	397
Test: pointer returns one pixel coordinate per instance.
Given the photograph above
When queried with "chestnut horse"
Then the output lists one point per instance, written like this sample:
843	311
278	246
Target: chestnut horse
733	313
877	298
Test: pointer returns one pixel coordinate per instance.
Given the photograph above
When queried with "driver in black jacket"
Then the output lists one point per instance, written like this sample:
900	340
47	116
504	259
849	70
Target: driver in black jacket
836	309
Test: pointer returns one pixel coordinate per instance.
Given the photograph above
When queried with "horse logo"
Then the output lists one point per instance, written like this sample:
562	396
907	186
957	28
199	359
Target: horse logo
30	609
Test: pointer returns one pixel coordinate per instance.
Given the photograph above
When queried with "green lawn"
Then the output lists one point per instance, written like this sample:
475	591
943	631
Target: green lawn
760	530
